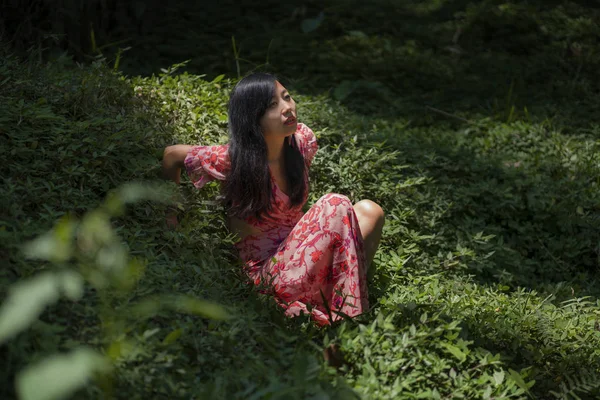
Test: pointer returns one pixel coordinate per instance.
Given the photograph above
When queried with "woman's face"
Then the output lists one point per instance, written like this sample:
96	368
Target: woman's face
280	117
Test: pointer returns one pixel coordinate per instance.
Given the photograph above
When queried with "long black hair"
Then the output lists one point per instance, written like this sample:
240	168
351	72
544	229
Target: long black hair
247	189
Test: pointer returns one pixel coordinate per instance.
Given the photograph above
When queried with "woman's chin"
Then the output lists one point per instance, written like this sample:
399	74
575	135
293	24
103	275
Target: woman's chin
290	129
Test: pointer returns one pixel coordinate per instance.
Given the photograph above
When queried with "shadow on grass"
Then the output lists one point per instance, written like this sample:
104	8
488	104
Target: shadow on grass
518	182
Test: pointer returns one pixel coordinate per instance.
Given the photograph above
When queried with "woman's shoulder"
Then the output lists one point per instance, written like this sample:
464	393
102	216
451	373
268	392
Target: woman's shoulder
303	130
215	154
307	142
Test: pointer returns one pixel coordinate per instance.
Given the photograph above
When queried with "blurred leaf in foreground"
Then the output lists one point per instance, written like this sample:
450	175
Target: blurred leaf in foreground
58	376
27	299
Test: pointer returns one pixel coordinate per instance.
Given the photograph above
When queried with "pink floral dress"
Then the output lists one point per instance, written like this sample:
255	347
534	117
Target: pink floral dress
311	262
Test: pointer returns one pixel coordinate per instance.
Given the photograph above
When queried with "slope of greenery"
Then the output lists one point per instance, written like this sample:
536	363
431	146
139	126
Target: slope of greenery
486	282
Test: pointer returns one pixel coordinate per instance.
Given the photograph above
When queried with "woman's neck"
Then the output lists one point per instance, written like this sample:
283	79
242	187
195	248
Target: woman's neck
275	150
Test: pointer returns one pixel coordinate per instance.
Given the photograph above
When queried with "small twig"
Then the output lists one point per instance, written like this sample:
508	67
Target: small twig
237	56
447	114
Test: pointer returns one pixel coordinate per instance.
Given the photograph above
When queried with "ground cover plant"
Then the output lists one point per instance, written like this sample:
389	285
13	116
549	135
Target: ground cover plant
479	143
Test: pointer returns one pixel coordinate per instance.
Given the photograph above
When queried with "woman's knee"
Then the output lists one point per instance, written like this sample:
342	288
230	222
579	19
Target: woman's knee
335	199
370	210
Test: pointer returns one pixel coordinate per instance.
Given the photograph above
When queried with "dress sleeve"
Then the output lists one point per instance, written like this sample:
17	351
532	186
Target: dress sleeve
307	142
206	163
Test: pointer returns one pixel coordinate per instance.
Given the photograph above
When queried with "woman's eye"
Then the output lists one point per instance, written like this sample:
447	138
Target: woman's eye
273	104
288	97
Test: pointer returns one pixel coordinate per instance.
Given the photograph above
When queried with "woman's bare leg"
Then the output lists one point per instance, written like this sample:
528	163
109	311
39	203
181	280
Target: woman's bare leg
370	219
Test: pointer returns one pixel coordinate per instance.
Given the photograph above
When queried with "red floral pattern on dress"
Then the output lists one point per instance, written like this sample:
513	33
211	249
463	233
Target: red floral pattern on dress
314	262
205	163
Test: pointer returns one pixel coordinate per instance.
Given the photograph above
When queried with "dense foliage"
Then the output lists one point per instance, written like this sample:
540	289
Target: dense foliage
477	139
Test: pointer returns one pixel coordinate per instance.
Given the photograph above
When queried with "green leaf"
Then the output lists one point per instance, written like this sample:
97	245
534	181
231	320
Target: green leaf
519	380
95	232
72	285
311	24
121	349
55	245
487	394
499	377
455	351
359	34
59	376
185	304
199	307
173	336
136	191
27	299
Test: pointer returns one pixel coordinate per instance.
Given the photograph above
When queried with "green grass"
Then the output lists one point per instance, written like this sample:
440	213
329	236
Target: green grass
486	163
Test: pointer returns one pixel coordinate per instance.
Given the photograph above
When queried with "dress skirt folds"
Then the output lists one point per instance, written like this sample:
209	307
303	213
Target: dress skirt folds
310	262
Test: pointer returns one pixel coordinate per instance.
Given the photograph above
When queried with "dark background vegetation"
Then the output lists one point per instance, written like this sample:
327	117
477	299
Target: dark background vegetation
473	123
402	52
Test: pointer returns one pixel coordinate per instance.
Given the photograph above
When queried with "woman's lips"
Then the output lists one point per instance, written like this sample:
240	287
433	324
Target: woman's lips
290	121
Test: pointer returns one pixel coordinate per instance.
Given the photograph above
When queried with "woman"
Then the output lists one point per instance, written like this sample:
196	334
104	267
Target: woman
314	263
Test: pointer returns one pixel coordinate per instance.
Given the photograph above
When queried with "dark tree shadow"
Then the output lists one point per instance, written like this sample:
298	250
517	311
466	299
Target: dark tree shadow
384	57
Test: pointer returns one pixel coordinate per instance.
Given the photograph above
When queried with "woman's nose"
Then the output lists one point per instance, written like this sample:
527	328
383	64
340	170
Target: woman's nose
287	109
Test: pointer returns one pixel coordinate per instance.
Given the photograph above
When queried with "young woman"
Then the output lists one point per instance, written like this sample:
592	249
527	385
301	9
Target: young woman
313	262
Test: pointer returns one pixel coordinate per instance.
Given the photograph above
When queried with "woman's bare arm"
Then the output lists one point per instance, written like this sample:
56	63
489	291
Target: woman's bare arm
173	161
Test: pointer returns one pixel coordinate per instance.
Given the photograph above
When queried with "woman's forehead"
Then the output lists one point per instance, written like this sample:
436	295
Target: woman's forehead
279	88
